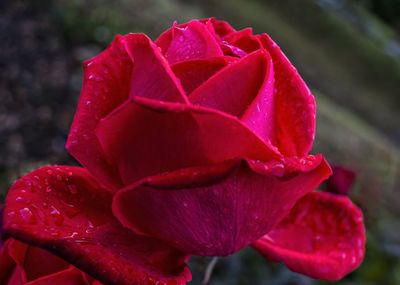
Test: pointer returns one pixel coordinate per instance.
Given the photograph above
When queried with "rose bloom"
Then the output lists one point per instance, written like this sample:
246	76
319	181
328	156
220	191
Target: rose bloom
195	144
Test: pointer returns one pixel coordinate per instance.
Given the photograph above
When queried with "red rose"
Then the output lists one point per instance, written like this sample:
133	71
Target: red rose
200	143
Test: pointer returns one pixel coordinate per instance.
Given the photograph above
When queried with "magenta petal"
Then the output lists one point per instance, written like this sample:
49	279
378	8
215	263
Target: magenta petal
244	40
215	219
233	89
64	210
193	73
294	104
188	42
322	237
341	180
105	86
221	28
159	136
152	76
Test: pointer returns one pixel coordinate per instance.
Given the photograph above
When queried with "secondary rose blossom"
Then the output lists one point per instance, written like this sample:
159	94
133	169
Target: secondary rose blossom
195	144
24	264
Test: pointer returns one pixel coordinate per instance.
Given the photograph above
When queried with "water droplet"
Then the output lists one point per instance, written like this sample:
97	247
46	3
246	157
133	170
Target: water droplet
18	199
181	39
27	215
72	189
185	204
48	189
49	171
57	216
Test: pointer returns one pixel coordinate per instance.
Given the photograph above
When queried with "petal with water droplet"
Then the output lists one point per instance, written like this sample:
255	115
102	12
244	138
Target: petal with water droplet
294	104
84	238
148	137
322	237
188	42
104	96
218	218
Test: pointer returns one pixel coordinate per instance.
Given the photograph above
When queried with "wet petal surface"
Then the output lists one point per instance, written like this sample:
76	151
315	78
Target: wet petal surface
215	219
64	210
322	237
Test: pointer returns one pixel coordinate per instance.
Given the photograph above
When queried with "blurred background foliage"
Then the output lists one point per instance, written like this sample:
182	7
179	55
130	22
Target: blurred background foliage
347	51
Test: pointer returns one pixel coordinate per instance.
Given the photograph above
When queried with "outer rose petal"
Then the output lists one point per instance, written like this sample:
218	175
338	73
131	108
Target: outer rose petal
110	78
159	136
67	212
322	237
215	219
294	104
106	85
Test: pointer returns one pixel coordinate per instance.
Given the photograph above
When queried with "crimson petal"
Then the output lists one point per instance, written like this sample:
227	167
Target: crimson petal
190	41
174	136
35	266
322	237
233	89
213	219
192	73
294	104
244	40
152	76
64	210
105	86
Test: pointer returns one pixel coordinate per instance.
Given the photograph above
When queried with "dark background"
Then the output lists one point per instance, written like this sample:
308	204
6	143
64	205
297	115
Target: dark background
347	51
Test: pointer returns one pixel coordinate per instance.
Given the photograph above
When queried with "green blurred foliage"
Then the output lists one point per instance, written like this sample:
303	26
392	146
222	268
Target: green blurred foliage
345	50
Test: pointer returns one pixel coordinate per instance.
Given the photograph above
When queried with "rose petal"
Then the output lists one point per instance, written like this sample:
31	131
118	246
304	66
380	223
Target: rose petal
191	41
221	28
213	219
35	266
244	40
65	211
106	85
341	180
192	73
322	237
159	137
7	264
233	89
294	104
152	76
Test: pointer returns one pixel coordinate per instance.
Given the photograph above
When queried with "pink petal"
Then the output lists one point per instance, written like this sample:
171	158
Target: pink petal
151	76
192	73
294	104
322	237
244	40
190	41
234	88
341	180
147	137
215	219
106	85
64	210
221	28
